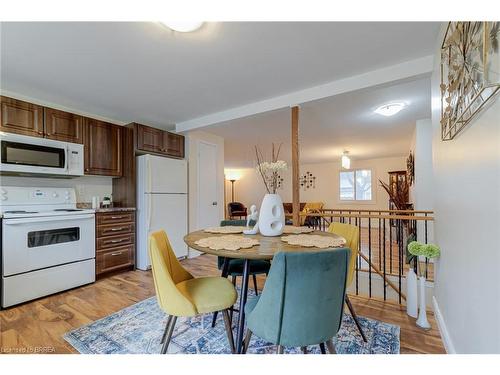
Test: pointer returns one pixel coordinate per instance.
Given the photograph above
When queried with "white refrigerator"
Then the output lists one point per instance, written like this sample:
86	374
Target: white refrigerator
162	203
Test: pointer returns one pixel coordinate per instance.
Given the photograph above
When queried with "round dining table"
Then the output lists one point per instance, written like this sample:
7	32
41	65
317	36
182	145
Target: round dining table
268	246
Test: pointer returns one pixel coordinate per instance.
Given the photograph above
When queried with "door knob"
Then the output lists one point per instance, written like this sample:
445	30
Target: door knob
214	203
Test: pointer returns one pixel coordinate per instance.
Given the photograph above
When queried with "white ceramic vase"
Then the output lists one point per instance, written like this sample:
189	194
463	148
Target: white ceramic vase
422	321
411	293
271	216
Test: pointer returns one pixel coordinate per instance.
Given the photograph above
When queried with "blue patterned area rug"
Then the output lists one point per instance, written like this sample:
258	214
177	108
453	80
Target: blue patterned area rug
138	329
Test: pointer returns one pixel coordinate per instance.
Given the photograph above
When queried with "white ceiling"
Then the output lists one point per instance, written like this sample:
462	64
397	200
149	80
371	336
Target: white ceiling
332	125
147	73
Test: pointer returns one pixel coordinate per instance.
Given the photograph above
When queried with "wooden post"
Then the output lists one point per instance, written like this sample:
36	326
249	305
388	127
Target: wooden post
295	166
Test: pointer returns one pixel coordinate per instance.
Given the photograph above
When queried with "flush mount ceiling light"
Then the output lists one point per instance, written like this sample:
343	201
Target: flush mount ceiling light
390	109
183	26
346	161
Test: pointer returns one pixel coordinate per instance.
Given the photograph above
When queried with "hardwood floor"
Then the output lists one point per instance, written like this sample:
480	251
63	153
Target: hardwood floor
38	326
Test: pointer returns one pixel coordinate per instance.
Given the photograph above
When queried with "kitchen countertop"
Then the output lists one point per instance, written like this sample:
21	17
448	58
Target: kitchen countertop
102	209
115	209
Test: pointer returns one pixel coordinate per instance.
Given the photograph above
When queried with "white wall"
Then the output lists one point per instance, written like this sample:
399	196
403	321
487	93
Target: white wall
86	186
250	188
192	140
421	192
466	193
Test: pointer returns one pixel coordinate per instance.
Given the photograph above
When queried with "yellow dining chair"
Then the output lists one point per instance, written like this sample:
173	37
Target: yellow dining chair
179	294
351	234
310	207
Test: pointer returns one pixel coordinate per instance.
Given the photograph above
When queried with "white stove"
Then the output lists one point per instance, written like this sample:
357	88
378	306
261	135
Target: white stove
48	244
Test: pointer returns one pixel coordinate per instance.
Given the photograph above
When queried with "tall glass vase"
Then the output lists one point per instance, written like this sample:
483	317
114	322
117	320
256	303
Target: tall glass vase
411	293
422	321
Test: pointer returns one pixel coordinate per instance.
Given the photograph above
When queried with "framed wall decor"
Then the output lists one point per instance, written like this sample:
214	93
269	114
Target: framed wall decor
470	73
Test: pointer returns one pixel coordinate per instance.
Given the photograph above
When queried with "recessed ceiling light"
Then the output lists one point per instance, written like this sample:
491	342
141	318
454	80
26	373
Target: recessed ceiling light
183	26
390	109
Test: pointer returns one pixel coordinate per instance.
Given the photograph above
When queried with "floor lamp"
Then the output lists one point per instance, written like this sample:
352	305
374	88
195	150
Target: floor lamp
232	190
232	176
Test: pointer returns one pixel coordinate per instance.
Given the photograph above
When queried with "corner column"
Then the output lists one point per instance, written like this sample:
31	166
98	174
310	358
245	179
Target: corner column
295	167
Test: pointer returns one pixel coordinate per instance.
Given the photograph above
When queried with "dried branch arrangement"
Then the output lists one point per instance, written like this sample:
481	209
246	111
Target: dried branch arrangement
269	171
399	196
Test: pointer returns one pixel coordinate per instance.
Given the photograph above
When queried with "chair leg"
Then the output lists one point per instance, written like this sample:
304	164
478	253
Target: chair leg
331	347
255	285
166	329
225	269
322	348
229	330
280	350
246	342
355	317
304	349
214	319
168	337
233	279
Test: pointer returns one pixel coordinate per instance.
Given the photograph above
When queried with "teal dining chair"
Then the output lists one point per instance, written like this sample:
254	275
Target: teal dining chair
235	266
302	301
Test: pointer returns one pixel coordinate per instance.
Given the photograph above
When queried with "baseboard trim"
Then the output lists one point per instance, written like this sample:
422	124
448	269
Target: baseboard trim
445	335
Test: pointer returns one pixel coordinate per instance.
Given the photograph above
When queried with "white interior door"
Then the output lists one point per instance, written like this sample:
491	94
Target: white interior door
208	202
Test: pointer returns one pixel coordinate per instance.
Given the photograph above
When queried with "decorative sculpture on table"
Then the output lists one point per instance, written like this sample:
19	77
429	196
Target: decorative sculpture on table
423	252
272	214
254	215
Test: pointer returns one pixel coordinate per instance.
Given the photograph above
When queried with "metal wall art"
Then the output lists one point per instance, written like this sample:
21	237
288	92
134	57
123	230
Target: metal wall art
470	73
308	181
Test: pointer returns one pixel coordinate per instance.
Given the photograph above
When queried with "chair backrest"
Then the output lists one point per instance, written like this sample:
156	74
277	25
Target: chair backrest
351	235
303	298
167	272
235	206
237	223
310	207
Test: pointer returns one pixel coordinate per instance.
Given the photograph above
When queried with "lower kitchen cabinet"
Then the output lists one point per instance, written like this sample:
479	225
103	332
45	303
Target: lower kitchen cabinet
115	241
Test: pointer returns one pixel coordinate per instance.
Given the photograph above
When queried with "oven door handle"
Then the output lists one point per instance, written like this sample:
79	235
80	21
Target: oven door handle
46	219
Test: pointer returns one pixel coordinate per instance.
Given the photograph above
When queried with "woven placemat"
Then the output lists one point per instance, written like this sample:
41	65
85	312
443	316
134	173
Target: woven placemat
290	229
313	240
226	230
228	242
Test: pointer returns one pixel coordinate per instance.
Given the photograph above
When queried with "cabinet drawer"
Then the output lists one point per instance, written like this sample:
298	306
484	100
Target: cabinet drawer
114	259
115	218
115	241
114	230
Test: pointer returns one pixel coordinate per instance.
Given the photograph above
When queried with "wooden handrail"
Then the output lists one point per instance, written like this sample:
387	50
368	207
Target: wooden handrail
385	211
366	216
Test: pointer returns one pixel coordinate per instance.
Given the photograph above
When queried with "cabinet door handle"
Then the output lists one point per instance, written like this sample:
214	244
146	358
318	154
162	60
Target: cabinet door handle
117	217
116	229
115	254
117	241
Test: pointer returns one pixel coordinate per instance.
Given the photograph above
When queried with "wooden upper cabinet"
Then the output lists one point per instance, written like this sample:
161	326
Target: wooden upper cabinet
63	126
173	144
159	141
149	139
102	148
21	117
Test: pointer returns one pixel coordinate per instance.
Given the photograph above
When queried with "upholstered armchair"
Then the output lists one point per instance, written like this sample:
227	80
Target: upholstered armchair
236	209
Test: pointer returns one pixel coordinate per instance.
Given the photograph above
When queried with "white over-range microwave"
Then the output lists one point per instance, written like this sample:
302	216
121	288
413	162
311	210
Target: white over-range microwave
21	154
